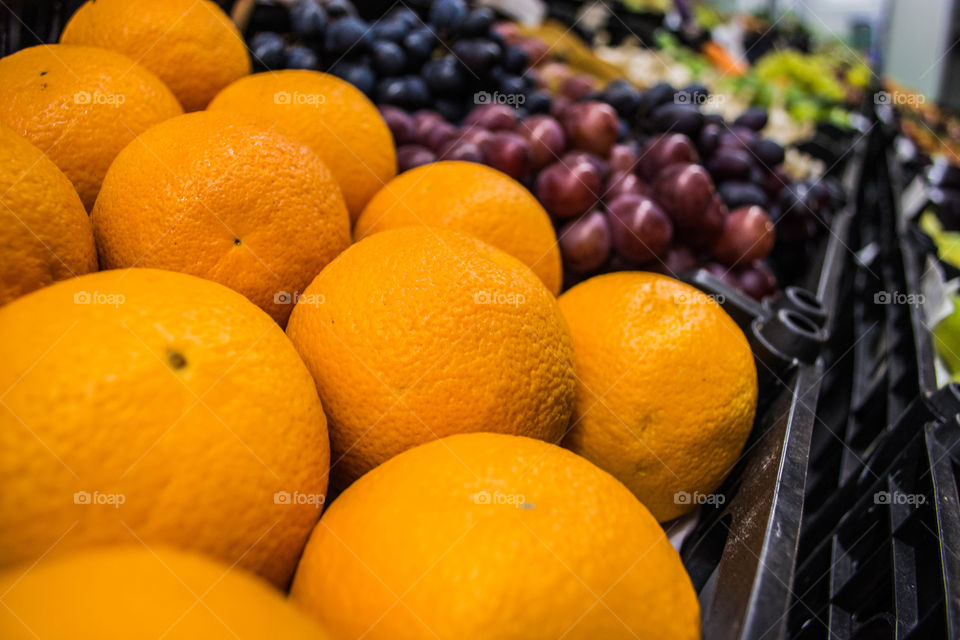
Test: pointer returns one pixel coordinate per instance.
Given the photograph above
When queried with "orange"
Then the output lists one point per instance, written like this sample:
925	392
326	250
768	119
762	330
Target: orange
221	196
472	198
666	389
493	537
417	333
330	115
192	45
117	593
45	234
81	106
151	406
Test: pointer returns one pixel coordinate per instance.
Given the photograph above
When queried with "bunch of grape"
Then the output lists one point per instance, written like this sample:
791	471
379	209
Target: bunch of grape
445	59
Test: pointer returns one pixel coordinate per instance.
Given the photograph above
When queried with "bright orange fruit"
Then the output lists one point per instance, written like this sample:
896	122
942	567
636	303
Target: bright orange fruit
417	333
192	45
45	234
147	406
666	387
485	535
330	115
475	199
221	196
81	106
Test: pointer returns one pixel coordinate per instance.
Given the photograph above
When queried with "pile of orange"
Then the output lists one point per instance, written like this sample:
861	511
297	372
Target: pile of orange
306	397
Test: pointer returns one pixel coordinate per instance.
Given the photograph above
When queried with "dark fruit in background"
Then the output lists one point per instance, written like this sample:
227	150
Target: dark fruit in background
268	50
585	243
399	123
495	117
768	152
754	118
308	19
623	157
748	235
757	280
509	152
663	151
546	137
413	155
741	194
730	164
458	149
684	191
598	163
678	118
641	230
591	126
621	183
568	190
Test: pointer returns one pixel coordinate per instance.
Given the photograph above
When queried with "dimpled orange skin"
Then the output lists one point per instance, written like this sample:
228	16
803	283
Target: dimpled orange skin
45	234
418	333
173	391
116	593
667	386
493	537
226	198
330	115
475	199
66	100
192	45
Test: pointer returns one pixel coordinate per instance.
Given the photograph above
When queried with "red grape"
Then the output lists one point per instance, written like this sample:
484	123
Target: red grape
568	190
641	230
459	149
546	137
559	106
663	151
708	227
747	235
585	242
724	274
623	157
578	85
399	123
477	135
552	75
413	155
438	135
685	191
510	153
592	126
757	280
496	117
423	121
776	181
620	183
573	157
509	31
738	138
536	49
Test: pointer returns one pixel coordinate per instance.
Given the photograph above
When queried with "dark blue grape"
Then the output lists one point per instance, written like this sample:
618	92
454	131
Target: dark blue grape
448	14
477	23
754	118
300	57
479	56
392	30
419	45
678	118
308	19
405	15
515	60
388	58
512	84
698	93
769	152
444	75
267	49
741	194
359	75
347	34
340	9
451	110
410	92
537	102
623	97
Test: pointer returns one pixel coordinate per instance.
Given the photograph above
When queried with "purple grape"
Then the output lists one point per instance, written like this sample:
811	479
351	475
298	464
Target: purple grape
568	190
476	135
641	230
413	155
573	157
439	134
678	118
592	126
623	157
459	149
577	86
755	118
546	137
685	191
709	139
423	121
723	273
776	181
730	164
738	138
663	151
747	235
399	123
496	117
757	280
510	153
585	242
769	152
736	194
621	183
